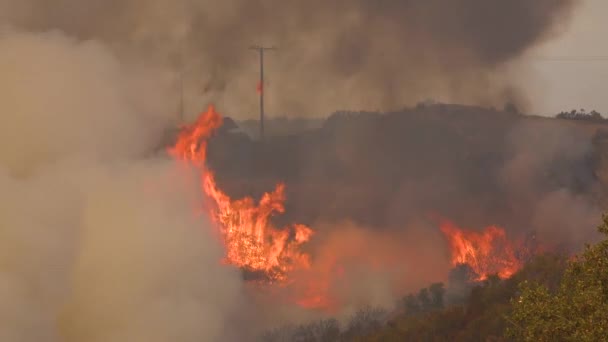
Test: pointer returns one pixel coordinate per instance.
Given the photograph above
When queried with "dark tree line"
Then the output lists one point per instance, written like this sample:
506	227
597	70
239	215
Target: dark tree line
581	115
366	321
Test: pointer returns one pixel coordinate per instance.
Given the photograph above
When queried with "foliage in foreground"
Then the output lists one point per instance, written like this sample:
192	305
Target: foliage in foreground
482	316
434	313
550	299
576	311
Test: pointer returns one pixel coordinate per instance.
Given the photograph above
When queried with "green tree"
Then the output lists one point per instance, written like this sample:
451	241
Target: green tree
576	311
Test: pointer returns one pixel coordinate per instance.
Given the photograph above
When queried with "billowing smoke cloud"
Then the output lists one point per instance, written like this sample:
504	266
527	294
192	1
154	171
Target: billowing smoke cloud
550	181
97	243
344	54
147	270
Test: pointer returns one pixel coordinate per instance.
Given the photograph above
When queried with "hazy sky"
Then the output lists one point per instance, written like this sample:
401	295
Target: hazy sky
571	84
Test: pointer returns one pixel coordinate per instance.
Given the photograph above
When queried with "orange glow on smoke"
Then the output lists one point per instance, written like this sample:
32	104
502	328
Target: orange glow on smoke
252	243
487	252
315	288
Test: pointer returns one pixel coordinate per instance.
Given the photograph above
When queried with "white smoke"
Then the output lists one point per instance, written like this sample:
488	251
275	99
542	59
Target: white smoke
97	243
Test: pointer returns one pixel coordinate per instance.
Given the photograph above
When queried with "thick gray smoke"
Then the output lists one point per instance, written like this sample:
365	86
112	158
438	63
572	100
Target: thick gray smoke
363	54
97	243
551	182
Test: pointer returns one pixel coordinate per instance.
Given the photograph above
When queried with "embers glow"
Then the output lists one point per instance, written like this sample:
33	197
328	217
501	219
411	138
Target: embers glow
251	242
486	252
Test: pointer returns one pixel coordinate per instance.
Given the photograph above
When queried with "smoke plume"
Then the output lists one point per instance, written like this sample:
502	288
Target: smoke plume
363	54
551	183
98	238
97	243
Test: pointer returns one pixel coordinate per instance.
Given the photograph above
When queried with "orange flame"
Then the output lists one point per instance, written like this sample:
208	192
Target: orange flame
251	242
487	252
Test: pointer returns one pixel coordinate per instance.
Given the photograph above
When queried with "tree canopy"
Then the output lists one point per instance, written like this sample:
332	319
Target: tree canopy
576	310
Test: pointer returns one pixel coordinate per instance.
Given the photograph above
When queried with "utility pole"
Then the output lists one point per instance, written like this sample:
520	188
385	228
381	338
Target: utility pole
181	66
261	50
181	96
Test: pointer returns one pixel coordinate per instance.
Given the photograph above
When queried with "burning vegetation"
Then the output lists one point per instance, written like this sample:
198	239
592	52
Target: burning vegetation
487	252
331	270
273	256
251	241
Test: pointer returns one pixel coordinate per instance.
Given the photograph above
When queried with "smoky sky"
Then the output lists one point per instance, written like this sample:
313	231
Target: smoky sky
360	54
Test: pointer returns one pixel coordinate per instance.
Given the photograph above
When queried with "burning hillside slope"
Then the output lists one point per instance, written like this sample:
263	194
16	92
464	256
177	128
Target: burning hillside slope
324	280
251	242
487	252
471	164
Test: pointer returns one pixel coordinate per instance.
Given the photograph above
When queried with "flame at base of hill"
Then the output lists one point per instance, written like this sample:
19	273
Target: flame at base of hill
271	255
251	241
487	252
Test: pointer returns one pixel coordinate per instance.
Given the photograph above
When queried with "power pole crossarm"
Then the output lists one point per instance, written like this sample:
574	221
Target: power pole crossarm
261	50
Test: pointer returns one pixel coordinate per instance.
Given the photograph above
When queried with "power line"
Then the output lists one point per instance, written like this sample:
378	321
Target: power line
570	58
261	50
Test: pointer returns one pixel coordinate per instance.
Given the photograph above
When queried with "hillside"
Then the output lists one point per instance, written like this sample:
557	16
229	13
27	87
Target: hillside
377	168
372	187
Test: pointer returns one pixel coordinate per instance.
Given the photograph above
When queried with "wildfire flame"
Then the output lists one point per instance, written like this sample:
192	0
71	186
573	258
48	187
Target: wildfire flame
253	244
487	252
251	241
